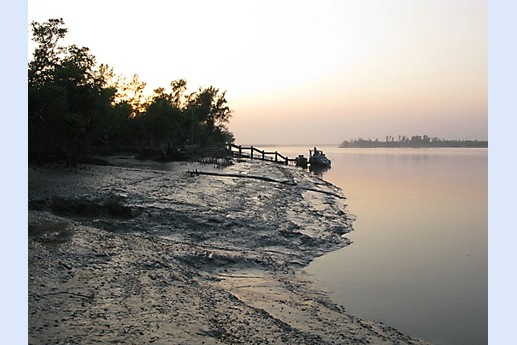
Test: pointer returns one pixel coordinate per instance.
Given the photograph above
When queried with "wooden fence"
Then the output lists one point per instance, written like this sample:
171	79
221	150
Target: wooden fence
255	153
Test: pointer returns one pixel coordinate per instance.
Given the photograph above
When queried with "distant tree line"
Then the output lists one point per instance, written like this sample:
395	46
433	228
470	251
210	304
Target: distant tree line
77	107
414	141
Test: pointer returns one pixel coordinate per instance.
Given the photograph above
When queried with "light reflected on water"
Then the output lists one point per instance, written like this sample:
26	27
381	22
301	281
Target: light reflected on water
318	170
419	258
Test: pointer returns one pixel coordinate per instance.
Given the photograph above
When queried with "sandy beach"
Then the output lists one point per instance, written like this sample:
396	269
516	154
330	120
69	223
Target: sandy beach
148	253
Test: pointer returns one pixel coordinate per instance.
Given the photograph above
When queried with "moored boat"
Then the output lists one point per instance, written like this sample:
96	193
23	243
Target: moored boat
301	161
318	158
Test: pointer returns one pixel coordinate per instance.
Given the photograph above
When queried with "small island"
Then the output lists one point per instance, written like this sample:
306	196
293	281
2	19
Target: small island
415	141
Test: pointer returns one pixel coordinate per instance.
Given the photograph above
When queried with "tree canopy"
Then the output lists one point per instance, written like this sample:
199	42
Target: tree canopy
77	107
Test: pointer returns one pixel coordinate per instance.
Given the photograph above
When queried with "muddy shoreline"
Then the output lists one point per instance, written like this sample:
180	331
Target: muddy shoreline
130	253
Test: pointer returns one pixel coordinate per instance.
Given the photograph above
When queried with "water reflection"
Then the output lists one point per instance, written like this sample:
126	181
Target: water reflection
318	170
419	257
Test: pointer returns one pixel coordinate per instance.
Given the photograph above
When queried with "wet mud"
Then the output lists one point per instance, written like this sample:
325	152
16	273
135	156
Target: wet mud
135	254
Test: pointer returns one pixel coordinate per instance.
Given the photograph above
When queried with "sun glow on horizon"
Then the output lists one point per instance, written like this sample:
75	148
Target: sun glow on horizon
360	66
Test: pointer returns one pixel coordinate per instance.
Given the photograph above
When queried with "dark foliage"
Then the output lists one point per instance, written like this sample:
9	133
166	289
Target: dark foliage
77	108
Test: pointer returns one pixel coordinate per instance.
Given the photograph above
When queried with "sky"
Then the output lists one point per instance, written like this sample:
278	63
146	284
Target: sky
303	72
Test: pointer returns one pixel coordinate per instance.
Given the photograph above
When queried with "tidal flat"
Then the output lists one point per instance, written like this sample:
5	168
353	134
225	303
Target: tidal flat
134	253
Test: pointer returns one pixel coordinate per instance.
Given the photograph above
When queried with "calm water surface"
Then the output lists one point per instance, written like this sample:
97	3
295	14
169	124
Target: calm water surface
419	257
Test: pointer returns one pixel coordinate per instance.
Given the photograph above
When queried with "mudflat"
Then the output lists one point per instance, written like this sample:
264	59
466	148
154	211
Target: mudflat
129	253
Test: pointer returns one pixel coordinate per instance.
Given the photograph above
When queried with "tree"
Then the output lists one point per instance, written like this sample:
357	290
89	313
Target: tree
114	112
65	98
132	93
162	122
48	51
210	111
178	98
76	106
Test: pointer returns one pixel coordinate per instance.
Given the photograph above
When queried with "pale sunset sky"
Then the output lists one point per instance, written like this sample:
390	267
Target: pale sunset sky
303	72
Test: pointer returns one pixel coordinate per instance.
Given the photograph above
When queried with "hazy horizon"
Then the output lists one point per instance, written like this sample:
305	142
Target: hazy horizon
303	71
381	139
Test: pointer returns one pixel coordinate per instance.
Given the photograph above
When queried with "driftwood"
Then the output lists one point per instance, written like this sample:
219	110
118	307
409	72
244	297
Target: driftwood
262	178
265	178
339	196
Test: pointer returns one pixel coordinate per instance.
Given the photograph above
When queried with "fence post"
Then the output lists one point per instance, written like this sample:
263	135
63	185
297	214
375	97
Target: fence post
276	156
240	151
251	152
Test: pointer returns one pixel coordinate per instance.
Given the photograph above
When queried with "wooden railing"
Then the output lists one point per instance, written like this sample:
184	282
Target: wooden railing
255	153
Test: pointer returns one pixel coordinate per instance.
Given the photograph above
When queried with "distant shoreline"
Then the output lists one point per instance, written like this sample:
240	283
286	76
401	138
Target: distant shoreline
361	143
413	147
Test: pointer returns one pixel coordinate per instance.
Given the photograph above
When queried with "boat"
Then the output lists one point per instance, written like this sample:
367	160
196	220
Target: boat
301	161
318	158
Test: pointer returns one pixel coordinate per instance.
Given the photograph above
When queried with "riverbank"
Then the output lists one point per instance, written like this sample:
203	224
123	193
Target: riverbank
129	254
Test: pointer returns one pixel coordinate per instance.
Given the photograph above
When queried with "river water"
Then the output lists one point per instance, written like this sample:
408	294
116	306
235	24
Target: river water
419	257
